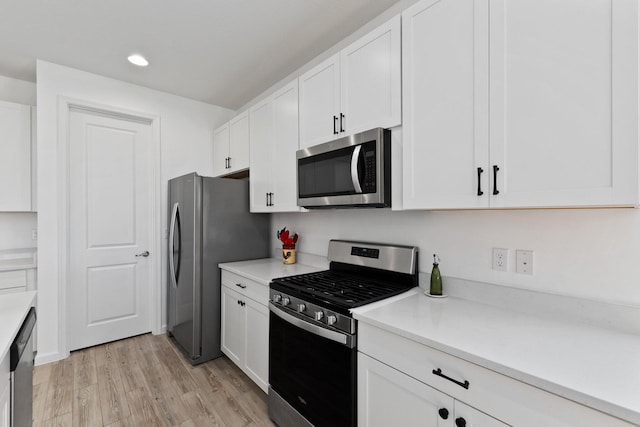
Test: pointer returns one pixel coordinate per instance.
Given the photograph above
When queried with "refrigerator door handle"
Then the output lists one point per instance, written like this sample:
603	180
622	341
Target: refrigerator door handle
172	228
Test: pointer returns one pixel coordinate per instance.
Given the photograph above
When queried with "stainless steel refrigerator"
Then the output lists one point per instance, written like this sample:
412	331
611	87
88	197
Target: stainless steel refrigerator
209	223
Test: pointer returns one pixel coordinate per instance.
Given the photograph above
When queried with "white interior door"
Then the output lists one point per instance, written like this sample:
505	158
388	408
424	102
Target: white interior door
110	190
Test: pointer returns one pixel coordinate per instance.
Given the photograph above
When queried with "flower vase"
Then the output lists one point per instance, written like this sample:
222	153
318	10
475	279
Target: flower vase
288	254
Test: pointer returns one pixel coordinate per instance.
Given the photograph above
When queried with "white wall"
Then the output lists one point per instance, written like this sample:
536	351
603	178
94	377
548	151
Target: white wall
15	227
186	145
591	253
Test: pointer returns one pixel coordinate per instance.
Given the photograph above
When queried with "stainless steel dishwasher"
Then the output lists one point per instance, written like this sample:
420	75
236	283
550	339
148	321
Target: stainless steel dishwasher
21	366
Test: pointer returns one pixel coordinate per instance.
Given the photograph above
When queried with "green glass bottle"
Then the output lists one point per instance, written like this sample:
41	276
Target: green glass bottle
436	279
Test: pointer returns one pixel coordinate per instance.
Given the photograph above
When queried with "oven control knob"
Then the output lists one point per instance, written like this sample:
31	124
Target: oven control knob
331	319
301	308
276	298
318	315
286	301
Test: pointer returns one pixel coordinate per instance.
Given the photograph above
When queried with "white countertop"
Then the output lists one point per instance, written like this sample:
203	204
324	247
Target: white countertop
17	259
13	310
265	269
591	365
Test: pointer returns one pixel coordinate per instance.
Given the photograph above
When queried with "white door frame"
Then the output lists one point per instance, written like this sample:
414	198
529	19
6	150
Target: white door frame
65	105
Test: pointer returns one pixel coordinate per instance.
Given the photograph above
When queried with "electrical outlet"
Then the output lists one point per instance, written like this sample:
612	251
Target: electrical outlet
524	261
34	234
500	260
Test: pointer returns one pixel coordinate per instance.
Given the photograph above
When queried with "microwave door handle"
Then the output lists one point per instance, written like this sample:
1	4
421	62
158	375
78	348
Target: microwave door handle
355	157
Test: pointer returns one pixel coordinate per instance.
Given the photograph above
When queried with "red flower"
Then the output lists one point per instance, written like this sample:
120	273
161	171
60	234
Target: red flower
287	241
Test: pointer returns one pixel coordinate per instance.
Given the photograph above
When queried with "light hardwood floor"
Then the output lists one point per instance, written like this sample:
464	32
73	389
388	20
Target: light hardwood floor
144	381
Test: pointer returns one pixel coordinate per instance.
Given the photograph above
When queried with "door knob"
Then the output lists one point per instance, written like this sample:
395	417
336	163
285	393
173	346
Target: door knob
144	254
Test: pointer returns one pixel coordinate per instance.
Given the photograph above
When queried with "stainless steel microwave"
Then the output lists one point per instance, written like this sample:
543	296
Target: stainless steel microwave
354	171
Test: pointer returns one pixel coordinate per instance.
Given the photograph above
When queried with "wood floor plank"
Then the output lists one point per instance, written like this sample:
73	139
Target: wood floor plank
145	381
200	412
84	368
143	411
113	401
86	407
65	420
42	373
59	398
39	400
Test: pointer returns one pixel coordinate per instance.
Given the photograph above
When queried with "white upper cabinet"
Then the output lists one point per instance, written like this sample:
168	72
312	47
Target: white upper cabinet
15	157
354	90
370	77
273	143
231	146
221	150
564	102
520	103
445	129
261	145
320	103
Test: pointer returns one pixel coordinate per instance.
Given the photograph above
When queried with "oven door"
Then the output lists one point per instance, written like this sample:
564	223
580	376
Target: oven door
314	374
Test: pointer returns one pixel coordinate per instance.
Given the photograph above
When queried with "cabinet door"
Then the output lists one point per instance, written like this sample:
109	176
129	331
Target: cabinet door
220	150
257	343
261	145
5	393
320	103
233	326
285	129
239	142
387	397
445	104
5	401
370	80
465	415
564	102
15	157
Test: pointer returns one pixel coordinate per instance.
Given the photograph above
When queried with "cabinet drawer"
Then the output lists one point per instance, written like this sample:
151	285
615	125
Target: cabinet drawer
246	287
507	399
13	279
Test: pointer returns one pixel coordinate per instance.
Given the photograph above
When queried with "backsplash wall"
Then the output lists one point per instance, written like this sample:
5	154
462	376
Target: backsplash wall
589	253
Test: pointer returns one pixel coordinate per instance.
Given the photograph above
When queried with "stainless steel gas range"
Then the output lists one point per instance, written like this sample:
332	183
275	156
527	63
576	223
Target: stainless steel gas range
313	336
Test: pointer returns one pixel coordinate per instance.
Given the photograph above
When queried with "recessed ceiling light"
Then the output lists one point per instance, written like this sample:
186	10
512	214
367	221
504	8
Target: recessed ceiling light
138	60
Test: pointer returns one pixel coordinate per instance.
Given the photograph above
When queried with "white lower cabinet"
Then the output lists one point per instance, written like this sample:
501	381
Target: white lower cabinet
397	383
388	397
245	326
5	393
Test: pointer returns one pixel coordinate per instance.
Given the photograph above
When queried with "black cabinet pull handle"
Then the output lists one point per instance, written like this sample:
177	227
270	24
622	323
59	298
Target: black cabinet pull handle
240	285
480	192
439	373
461	422
341	126
495	179
266	195
335	124
444	413
229	162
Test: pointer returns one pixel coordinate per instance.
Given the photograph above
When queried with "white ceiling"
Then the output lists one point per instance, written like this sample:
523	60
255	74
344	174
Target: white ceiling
223	52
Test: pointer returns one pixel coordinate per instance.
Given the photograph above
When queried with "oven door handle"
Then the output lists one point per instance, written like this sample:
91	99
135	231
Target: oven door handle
344	339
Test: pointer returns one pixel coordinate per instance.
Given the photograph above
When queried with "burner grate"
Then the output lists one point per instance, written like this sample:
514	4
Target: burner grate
341	288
